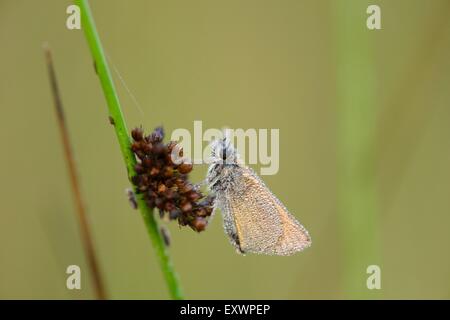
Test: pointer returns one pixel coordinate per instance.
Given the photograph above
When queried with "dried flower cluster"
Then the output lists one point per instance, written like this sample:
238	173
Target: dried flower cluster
164	184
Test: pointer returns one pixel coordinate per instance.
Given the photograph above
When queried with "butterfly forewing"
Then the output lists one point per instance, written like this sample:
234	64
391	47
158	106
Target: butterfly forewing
263	224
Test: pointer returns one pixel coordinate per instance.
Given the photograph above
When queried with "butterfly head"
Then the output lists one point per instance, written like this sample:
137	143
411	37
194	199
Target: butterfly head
223	152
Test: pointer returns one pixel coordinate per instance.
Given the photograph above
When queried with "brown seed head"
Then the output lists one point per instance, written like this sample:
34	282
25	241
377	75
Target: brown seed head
165	185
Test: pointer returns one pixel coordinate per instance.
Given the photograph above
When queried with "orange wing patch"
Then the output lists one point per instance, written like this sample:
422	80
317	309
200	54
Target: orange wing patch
263	224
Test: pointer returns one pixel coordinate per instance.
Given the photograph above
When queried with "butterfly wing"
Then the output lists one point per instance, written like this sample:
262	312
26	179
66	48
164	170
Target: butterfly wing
262	223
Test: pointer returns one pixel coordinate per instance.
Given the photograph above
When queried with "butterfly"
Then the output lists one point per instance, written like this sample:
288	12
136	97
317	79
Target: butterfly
254	219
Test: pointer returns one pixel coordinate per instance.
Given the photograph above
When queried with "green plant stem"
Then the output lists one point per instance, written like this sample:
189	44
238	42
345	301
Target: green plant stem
357	114
115	112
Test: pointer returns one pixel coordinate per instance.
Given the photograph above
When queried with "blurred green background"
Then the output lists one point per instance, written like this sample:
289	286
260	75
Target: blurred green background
245	64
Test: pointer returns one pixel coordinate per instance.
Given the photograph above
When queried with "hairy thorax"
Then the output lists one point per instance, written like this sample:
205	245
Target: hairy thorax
224	177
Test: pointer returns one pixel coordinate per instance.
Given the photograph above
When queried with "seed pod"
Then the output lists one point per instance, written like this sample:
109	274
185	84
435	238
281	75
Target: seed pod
174	214
154	171
185	168
159	202
165	185
157	135
186	207
139	168
168	172
169	206
161	188
199	224
194	196
137	134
